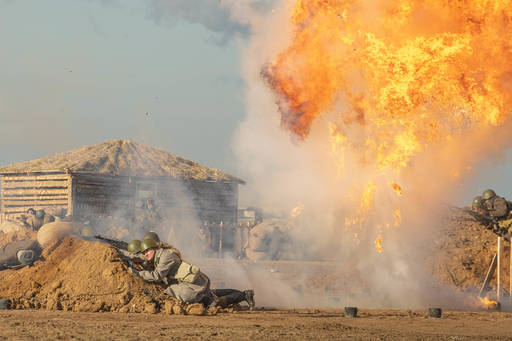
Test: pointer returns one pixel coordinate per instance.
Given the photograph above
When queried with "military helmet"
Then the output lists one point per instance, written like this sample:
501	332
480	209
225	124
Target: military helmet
87	231
148	244
478	202
26	257
40	214
134	246
152	235
488	194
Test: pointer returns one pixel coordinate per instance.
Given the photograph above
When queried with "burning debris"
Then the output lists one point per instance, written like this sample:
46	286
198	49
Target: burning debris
378	244
490	304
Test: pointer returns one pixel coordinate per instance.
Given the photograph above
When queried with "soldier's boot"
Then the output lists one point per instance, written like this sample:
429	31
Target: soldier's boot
218	302
249	298
222	302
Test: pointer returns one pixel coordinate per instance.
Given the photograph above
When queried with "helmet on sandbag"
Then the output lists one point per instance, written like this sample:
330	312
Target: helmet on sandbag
148	244
135	246
153	236
40	214
478	202
26	257
488	194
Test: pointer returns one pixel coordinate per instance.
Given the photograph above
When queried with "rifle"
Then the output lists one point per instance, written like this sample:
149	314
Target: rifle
122	250
118	244
490	223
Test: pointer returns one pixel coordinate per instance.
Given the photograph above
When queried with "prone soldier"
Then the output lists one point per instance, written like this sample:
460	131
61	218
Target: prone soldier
478	205
495	205
185	281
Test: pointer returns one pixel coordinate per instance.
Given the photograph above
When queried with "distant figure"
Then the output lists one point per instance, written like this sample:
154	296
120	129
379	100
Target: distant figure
201	242
240	240
148	217
34	219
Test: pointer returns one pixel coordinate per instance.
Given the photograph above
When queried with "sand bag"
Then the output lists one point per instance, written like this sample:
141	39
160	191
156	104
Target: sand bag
10	226
57	230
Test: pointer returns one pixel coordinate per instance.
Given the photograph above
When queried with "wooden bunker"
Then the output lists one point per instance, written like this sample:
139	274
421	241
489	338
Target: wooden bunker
113	177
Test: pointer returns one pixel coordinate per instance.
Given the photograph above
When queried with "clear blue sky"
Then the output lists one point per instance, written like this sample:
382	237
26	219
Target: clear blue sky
77	73
165	74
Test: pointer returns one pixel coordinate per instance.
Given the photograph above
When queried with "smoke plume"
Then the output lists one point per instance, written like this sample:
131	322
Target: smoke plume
369	115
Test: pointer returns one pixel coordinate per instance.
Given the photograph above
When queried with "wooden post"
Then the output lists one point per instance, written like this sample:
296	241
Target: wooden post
220	237
488	276
498	270
510	273
70	195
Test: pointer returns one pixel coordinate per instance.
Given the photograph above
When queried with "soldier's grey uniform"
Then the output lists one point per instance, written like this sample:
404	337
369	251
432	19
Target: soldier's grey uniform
167	262
497	207
9	252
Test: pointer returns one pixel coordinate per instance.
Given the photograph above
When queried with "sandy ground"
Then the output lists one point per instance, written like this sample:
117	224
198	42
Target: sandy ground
268	325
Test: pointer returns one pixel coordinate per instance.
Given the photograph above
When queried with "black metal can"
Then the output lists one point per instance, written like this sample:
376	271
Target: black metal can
350	311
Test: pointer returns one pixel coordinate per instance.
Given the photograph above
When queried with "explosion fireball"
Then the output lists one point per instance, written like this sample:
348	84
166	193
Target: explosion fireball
394	78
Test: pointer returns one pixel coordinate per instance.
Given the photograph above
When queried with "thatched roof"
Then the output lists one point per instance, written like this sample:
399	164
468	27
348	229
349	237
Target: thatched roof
121	157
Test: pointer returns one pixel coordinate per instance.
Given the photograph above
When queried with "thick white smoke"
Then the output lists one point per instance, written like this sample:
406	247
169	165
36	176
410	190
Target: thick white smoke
282	172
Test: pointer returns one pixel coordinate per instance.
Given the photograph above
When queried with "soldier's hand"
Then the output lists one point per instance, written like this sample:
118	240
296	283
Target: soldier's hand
133	271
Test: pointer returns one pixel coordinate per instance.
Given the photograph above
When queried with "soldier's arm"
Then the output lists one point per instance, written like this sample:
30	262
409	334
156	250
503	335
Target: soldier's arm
168	260
130	255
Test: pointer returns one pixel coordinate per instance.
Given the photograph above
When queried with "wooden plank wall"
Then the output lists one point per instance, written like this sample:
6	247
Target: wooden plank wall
102	195
42	191
210	201
215	201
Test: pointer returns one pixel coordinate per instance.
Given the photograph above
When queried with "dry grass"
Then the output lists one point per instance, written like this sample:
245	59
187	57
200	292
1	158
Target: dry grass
121	157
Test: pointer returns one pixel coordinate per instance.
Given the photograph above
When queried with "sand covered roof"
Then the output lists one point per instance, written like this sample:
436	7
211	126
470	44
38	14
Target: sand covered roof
121	157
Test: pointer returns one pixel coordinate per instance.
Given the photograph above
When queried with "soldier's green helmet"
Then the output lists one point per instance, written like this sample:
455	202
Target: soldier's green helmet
40	214
26	257
478	202
134	246
488	194
152	235
148	244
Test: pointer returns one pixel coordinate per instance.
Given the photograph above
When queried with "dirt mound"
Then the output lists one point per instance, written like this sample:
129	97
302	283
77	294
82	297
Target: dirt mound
80	275
463	251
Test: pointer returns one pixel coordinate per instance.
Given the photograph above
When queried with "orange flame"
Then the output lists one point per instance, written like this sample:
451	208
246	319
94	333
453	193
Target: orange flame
396	188
411	72
378	243
394	78
297	210
488	303
397	214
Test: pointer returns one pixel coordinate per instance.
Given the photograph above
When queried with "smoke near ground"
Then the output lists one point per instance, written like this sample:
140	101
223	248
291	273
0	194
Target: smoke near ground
327	130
